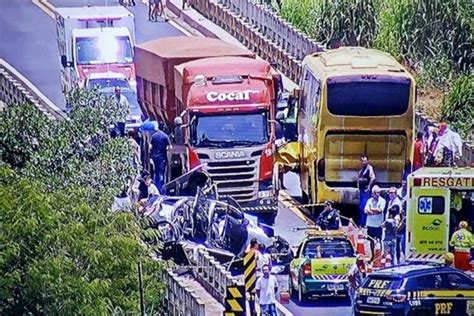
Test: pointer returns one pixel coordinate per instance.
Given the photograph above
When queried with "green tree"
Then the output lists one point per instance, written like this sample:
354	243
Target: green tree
62	252
61	256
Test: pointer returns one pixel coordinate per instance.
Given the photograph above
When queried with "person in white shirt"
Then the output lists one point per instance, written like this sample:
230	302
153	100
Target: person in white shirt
393	200
263	259
152	189
267	287
374	209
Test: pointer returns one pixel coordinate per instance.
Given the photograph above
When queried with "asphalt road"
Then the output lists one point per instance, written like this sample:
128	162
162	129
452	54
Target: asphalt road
29	44
29	39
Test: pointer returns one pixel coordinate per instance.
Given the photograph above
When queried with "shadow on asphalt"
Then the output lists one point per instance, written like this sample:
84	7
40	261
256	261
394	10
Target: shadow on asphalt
326	302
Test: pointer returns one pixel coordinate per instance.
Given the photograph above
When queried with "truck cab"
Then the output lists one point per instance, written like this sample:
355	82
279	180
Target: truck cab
220	104
95	40
229	105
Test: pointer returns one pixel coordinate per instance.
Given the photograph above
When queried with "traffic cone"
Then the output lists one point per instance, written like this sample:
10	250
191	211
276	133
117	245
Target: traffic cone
351	234
360	243
386	261
376	263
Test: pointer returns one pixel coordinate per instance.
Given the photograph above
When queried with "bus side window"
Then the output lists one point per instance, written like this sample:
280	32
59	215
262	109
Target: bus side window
431	205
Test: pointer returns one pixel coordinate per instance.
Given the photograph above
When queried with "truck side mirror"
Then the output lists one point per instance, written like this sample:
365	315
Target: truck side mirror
64	61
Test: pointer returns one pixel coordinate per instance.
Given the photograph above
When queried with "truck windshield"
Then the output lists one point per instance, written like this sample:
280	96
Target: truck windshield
230	130
103	50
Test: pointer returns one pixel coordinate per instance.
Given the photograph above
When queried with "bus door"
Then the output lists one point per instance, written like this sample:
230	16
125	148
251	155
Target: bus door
428	223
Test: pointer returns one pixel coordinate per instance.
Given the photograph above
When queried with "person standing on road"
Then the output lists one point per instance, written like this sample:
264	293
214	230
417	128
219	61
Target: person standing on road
419	152
267	288
329	218
356	276
462	241
393	199
390	236
365	182
401	234
374	210
160	145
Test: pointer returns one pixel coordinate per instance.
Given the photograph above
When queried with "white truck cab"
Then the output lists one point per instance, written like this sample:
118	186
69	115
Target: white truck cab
94	40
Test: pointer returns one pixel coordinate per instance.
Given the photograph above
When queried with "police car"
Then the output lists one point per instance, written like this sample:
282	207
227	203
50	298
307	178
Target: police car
416	289
321	264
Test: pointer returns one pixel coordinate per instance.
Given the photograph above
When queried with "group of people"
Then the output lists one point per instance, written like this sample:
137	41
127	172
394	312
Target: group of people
437	147
267	285
143	184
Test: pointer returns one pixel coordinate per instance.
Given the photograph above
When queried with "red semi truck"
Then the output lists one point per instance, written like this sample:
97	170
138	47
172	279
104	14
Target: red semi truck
223	103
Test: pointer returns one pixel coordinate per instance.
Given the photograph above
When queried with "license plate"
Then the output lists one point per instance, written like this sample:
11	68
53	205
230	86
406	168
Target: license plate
338	287
373	300
470	307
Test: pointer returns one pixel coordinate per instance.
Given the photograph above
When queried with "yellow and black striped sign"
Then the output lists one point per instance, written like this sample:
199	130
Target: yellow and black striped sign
235	301
250	266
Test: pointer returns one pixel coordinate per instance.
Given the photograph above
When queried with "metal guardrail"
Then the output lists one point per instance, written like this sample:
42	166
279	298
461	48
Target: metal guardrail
214	279
16	89
262	31
180	300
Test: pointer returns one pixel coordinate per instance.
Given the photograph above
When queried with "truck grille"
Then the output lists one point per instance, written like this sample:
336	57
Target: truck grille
236	178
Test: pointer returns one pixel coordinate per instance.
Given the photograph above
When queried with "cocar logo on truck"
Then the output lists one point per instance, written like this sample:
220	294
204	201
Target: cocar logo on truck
229	154
230	96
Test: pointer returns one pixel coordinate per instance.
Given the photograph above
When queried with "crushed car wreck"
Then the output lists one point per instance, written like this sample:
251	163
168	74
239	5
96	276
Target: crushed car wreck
185	222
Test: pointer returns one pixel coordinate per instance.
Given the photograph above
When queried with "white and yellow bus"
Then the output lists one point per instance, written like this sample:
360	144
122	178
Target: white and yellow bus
353	101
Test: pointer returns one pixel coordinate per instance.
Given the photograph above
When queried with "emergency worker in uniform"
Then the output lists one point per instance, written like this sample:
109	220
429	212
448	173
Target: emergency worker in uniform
462	241
329	218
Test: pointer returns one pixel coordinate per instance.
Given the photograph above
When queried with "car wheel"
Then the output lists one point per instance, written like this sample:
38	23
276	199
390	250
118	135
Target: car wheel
301	295
291	289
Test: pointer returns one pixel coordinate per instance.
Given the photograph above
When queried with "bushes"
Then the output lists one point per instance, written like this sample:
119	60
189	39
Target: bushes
434	38
332	22
458	105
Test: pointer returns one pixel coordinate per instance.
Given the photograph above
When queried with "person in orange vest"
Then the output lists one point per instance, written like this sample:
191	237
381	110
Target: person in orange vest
462	241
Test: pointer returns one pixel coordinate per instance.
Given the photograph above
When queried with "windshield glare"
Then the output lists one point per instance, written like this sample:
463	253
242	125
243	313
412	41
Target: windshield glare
230	129
103	49
104	83
326	248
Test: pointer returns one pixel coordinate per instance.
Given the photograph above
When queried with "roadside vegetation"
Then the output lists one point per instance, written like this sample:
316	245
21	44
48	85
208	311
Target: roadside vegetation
62	252
434	39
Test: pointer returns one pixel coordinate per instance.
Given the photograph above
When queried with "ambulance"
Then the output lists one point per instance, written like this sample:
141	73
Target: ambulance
433	193
94	40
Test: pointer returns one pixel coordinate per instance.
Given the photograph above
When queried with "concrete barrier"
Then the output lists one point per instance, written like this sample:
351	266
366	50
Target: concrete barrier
16	89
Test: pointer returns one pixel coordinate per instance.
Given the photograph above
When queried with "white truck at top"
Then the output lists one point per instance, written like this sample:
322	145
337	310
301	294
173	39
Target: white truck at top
94	40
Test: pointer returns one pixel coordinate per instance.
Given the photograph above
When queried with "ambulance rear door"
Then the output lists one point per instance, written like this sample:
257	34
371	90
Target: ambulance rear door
427	223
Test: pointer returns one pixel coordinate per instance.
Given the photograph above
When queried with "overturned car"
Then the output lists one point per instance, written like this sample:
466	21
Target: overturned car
184	222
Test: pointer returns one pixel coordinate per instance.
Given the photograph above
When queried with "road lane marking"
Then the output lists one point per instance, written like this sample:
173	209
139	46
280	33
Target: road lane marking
292	205
46	7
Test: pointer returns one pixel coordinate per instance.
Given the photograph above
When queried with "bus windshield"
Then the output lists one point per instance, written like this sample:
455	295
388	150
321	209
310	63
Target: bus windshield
379	96
103	50
230	130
